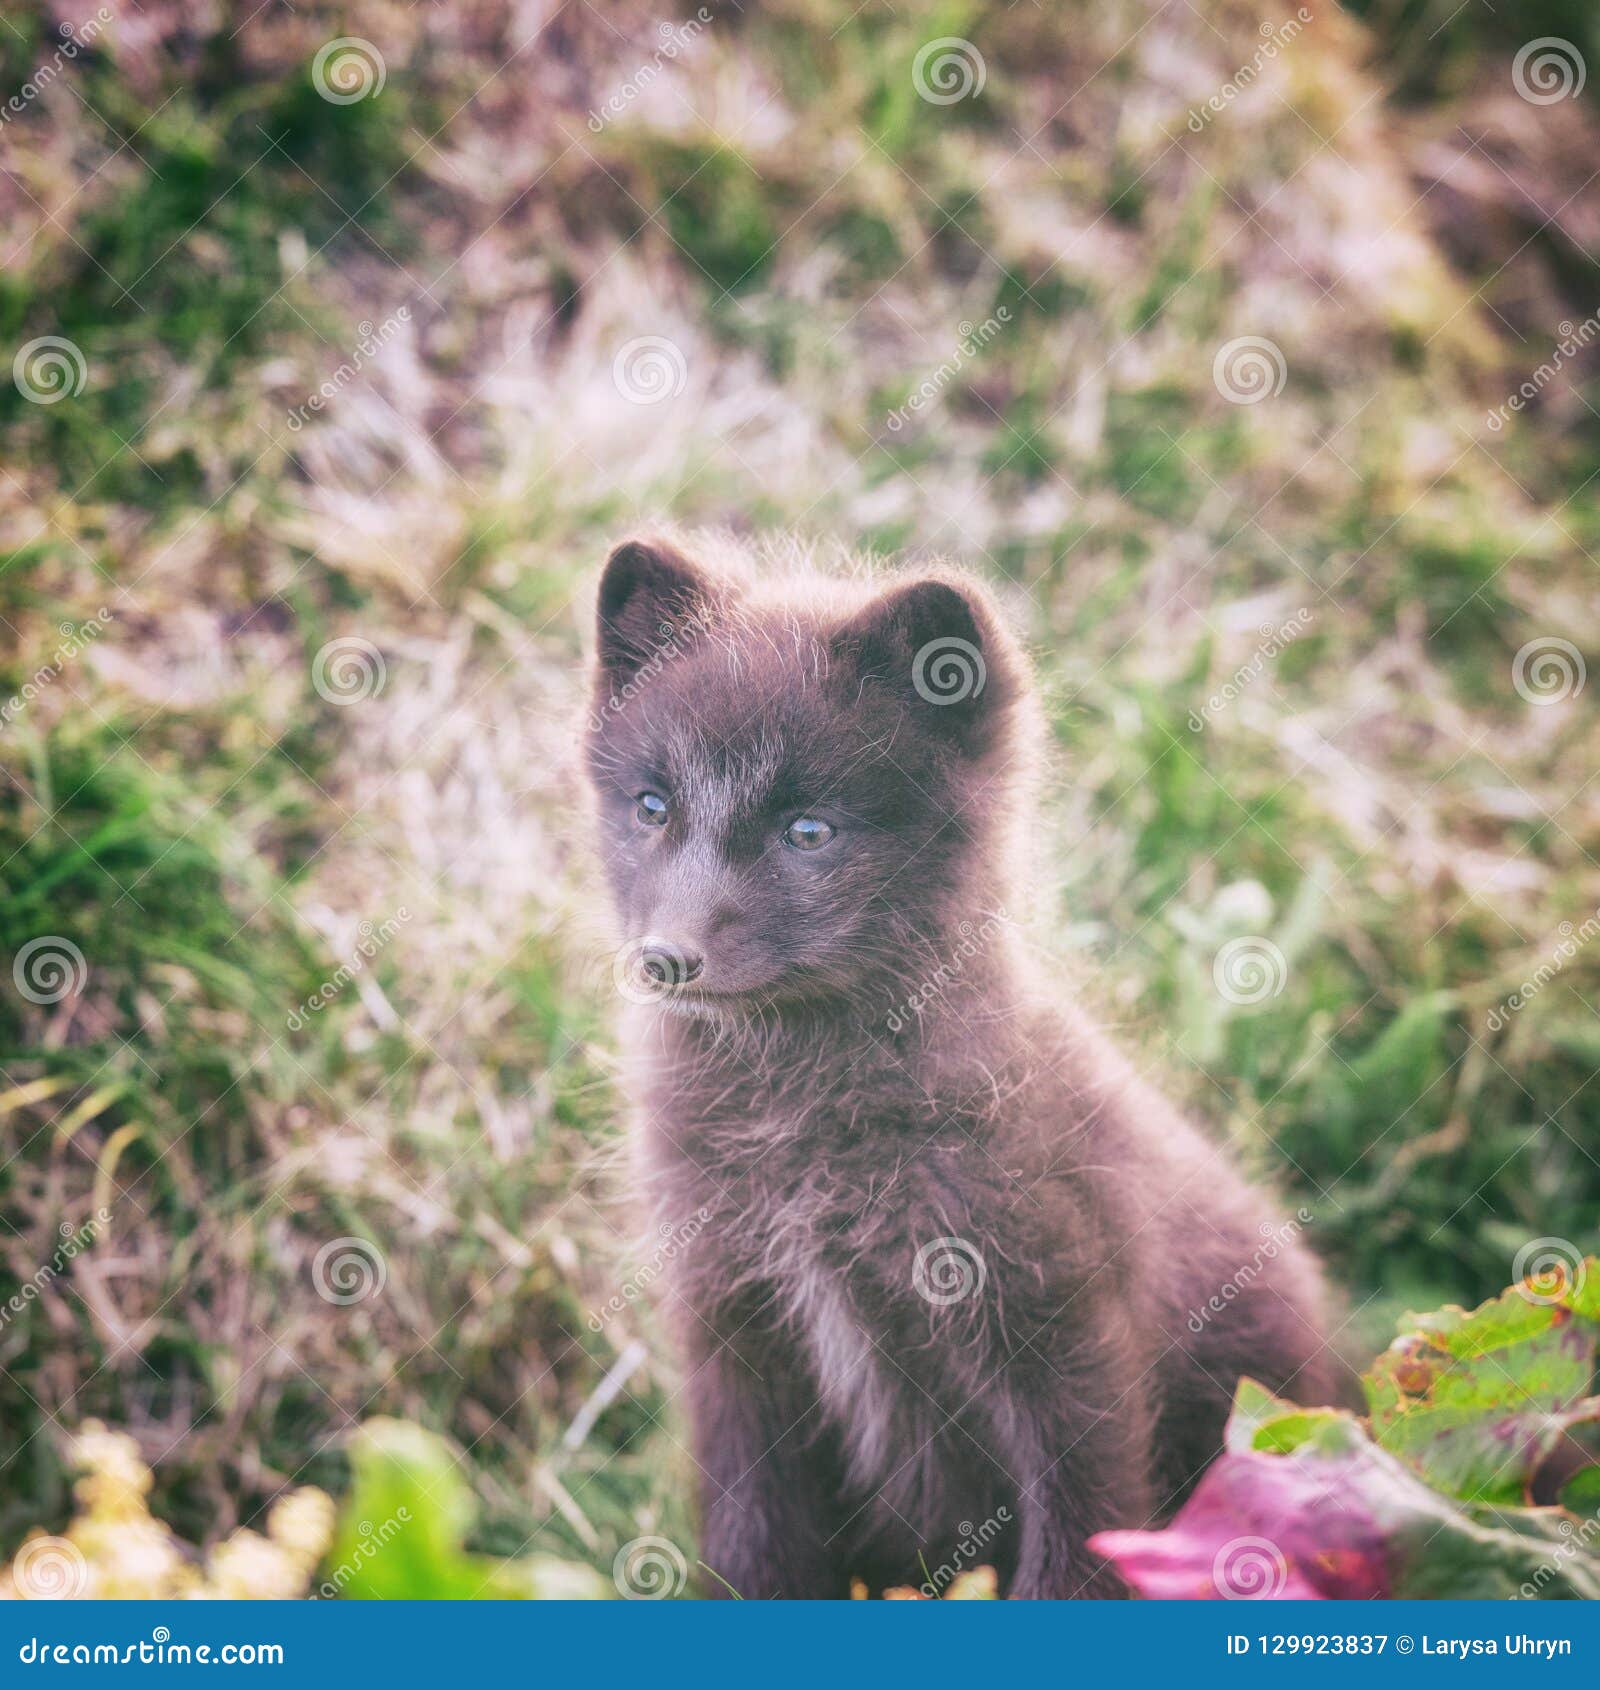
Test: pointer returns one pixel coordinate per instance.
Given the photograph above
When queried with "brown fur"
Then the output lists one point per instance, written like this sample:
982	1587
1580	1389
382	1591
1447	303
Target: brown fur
864	1067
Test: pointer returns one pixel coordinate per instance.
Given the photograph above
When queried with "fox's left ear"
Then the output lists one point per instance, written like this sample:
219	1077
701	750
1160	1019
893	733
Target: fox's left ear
650	595
939	645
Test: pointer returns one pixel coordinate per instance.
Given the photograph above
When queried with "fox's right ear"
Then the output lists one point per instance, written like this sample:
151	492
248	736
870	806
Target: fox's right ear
650	595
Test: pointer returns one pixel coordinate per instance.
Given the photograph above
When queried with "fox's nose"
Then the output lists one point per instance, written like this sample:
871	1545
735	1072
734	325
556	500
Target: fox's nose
671	964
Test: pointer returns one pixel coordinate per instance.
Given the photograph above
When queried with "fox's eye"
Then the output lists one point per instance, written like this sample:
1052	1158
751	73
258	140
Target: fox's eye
806	833
650	809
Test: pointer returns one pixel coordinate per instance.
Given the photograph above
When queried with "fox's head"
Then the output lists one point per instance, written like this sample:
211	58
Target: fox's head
799	786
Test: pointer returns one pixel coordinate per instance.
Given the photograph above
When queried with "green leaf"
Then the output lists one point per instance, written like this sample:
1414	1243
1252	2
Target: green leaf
1477	1402
400	1533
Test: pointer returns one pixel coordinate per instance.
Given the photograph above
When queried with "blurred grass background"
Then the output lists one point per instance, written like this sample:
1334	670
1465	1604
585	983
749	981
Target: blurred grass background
811	240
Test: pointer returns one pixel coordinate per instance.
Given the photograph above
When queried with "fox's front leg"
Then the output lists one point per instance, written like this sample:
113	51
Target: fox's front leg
770	1484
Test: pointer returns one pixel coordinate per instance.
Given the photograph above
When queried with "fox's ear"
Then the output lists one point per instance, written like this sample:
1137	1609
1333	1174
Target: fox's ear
937	645
649	595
